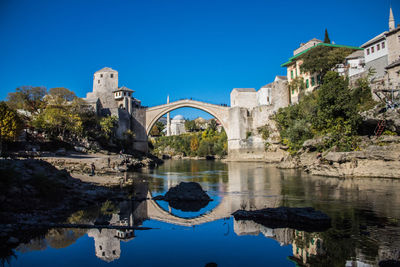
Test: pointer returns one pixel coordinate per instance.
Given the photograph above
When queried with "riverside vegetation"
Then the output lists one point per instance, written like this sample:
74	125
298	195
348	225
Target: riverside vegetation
209	142
57	115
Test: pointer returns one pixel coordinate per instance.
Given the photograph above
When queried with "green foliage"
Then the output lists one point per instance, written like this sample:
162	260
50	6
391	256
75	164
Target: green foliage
387	132
335	101
61	94
157	129
190	126
208	142
10	123
248	135
297	84
59	121
322	59
27	97
264	131
108	126
332	111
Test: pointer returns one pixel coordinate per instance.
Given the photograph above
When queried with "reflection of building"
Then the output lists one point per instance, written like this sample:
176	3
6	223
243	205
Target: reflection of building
132	213
178	125
283	235
306	245
107	246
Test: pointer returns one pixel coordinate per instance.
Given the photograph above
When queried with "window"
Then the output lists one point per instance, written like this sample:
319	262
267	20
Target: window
291	74
383	45
296	72
312	81
319	79
378	47
292	91
101	75
372	49
367	51
98	81
112	75
124	93
307	84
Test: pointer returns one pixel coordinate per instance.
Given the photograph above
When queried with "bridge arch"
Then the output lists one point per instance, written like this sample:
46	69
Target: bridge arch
155	212
153	114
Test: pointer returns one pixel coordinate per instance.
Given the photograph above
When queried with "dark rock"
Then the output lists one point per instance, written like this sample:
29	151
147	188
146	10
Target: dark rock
187	196
12	240
187	191
160	197
389	263
304	219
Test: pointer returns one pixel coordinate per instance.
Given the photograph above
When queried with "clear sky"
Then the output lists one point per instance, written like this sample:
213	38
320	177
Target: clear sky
189	48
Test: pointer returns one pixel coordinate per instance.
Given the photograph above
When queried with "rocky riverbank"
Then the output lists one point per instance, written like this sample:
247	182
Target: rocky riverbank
80	163
35	193
376	157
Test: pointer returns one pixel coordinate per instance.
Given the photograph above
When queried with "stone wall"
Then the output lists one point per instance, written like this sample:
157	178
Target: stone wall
378	65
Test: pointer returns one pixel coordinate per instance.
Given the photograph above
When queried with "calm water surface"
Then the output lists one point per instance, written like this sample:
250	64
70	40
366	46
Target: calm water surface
365	222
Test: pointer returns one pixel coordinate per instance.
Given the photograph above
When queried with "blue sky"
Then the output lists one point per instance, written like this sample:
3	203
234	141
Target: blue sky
200	49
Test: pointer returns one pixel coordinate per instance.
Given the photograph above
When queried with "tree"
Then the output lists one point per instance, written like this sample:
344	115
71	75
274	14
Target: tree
213	125
61	94
108	126
27	97
326	38
194	143
322	59
190	126
10	123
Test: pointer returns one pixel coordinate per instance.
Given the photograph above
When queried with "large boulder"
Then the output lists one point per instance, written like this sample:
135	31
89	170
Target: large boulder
307	219
186	196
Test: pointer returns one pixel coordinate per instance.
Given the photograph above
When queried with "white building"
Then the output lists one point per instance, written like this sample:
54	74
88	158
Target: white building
178	125
355	63
273	94
376	54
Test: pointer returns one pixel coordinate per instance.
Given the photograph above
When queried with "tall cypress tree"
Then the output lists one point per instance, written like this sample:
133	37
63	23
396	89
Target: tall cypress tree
326	39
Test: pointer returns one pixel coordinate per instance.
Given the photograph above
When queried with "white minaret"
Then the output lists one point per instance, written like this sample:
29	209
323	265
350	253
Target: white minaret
391	20
168	121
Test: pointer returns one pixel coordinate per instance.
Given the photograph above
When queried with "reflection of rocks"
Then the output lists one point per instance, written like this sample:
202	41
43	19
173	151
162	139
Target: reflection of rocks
283	235
283	217
186	196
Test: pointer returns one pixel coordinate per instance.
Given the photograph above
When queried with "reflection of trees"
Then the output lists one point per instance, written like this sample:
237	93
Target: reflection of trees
62	238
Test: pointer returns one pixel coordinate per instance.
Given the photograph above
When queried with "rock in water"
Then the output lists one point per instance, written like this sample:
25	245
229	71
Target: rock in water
307	219
187	196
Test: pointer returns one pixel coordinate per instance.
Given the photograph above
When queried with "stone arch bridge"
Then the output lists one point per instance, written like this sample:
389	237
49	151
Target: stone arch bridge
237	122
221	113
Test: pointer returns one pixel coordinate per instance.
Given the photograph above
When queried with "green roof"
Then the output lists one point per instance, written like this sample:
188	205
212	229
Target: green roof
319	44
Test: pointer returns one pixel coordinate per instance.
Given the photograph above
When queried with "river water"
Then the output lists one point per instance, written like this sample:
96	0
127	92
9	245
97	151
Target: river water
365	222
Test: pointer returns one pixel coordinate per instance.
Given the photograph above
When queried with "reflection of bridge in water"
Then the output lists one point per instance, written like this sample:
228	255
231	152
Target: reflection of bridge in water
245	188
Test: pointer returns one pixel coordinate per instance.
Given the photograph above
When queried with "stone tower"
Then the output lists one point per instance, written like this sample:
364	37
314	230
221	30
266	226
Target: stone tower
105	81
392	25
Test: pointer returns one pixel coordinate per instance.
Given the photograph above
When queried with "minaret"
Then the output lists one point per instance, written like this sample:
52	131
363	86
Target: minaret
168	121
391	20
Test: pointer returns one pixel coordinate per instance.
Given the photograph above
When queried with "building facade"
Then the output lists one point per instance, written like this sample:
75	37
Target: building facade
178	125
297	79
108	99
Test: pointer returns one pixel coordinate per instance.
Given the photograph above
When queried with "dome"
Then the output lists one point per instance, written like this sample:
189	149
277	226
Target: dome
178	117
